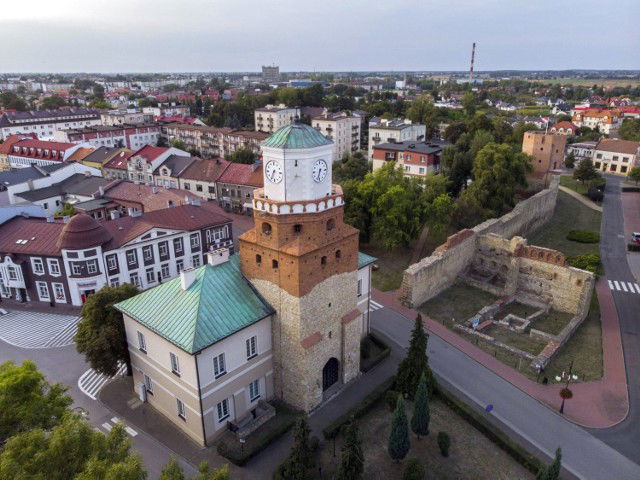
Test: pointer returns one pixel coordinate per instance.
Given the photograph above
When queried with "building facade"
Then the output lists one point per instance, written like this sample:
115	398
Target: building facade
393	130
27	152
143	162
601	120
45	122
270	74
236	184
127	136
125	117
616	156
273	117
343	129
214	142
546	149
415	158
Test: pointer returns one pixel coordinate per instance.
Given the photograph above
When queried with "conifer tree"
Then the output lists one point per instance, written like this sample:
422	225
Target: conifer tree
415	364
352	464
399	443
300	461
421	415
551	471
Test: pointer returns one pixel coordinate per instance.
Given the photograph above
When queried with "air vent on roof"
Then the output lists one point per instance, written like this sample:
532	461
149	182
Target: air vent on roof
413	145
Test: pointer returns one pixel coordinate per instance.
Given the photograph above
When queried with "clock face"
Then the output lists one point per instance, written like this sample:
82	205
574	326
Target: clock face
273	171
319	171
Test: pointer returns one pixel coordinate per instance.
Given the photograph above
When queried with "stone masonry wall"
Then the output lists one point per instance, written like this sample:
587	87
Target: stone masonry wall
430	276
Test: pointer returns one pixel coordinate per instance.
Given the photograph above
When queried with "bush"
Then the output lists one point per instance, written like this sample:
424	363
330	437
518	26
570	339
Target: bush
589	262
631	189
595	194
598	183
391	398
359	410
444	442
413	470
583	236
633	247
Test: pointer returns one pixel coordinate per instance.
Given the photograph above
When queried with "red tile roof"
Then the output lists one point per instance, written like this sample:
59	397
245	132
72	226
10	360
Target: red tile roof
5	147
126	191
25	149
40	236
205	170
242	174
119	162
565	124
149	152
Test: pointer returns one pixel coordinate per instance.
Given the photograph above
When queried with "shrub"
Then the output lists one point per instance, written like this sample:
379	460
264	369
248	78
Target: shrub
633	247
599	183
595	194
391	398
413	470
583	236
444	442
589	262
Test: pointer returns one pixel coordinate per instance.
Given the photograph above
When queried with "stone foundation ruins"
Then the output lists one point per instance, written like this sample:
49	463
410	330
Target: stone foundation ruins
491	258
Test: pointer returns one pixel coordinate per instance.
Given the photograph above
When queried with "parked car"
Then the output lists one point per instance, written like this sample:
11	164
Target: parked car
635	237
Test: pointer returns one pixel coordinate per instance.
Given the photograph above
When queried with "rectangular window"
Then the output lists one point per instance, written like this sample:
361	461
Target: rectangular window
212	189
223	409
92	266
175	365
254	390
58	291
177	245
219	367
163	249
180	405
13	274
148	384
179	266
151	278
112	262
114	282
134	279
195	261
187	186
131	257
142	344
54	267
76	268
195	240
198	187
252	347
147	253
164	270
38	266
359	287
43	290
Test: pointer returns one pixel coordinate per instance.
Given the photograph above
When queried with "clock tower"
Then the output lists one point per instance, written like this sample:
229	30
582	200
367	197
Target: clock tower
303	259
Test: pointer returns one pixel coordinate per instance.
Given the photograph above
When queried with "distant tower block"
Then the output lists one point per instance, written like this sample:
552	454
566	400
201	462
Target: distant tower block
473	55
270	74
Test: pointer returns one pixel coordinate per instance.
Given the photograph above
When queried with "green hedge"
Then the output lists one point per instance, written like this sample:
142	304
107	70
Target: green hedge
359	410
373	343
589	262
493	433
633	247
261	438
583	236
631	189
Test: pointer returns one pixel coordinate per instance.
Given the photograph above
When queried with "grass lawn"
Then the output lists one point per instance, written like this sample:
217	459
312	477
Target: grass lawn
518	309
521	341
471	456
569	214
459	302
573	184
552	322
392	265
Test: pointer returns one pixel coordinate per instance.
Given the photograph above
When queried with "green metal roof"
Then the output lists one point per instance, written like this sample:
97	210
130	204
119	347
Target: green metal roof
218	303
364	260
296	135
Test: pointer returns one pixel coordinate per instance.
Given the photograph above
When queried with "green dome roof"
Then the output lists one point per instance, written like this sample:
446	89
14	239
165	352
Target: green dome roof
296	135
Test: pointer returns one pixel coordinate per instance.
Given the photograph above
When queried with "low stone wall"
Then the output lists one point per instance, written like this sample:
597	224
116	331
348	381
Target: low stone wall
489	339
430	276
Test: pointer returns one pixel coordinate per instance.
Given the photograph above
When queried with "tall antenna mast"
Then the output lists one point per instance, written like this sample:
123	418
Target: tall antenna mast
473	54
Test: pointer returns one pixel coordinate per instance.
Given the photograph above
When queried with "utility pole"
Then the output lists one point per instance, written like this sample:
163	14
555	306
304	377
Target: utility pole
473	54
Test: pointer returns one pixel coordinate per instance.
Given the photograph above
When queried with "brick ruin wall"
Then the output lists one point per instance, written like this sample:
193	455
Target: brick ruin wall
431	275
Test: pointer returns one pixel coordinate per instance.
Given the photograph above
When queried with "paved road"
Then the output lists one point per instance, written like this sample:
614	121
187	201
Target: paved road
37	330
584	456
624	437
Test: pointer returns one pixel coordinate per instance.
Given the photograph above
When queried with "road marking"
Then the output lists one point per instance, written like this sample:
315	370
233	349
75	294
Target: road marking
624	287
91	382
616	284
130	431
610	284
637	287
375	305
107	426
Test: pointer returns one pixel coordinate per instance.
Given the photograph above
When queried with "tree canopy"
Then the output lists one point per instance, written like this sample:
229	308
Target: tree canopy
416	363
352	461
630	129
243	155
585	171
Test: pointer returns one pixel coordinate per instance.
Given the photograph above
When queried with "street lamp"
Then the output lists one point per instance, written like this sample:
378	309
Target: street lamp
566	393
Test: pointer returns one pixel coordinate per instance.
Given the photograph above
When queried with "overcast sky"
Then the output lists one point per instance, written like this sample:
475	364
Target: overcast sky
242	35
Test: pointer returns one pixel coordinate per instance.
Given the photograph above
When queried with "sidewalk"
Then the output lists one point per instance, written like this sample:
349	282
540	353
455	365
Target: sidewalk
598	404
40	307
119	397
581	198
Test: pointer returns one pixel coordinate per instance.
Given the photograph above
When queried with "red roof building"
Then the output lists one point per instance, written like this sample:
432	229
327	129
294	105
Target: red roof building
236	185
564	128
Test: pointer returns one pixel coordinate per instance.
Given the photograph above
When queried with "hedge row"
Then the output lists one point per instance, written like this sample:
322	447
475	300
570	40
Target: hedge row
583	236
493	433
589	262
631	189
359	410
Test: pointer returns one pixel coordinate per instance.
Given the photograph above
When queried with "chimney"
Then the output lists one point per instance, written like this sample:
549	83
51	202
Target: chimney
114	214
30	184
50	219
101	190
66	218
154	190
187	277
218	256
87	173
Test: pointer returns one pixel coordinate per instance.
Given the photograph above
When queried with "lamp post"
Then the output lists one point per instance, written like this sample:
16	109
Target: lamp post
566	393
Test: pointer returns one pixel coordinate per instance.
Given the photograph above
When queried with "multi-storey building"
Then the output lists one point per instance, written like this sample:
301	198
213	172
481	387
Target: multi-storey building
103	155
62	263
341	128
128	136
547	150
125	117
200	178
168	173
45	122
393	130
24	153
283	319
601	120
564	128
143	162
270	74
236	184
213	141
616	156
273	117
415	158
582	150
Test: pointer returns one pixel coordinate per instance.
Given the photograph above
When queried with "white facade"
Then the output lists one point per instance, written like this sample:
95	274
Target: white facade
139	170
614	162
342	130
394	131
45	129
124	117
271	118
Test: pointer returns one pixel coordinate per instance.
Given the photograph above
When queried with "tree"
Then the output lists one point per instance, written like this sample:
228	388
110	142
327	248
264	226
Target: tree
300	461
453	131
551	471
28	401
416	363
421	415
98	91
352	463
630	129
162	142
52	102
585	171
351	167
570	161
98	103
172	471
11	101
67	211
413	470
456	164
634	174
177	143
470	103
71	450
101	335
243	155
399	442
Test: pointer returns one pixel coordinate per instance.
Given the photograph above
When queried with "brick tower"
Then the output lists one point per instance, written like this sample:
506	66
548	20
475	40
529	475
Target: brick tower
303	259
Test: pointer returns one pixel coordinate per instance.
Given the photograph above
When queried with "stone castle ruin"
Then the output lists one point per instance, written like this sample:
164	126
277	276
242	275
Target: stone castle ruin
493	258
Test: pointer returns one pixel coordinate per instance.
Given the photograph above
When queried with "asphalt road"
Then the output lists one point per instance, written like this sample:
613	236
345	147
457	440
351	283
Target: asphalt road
624	437
524	418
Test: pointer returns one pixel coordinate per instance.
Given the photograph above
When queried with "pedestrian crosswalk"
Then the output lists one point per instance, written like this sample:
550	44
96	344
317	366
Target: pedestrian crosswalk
91	382
107	426
375	305
625	287
37	330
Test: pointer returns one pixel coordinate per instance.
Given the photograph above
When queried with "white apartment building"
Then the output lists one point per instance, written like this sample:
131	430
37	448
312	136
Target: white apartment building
342	129
616	156
393	130
273	117
45	122
125	117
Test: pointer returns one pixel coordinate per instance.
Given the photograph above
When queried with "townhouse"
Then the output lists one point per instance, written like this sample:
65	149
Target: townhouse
236	184
125	117
24	153
45	122
343	129
564	128
143	162
616	156
200	178
47	260
393	130
415	158
168	173
103	155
